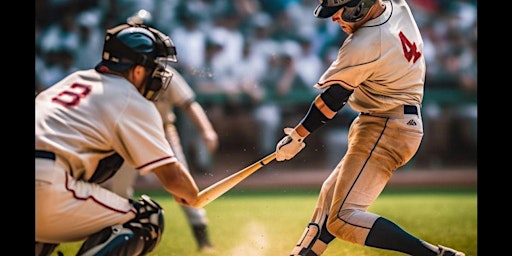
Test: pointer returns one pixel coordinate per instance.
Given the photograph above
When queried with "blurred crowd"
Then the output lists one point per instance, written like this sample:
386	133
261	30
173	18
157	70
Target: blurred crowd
255	62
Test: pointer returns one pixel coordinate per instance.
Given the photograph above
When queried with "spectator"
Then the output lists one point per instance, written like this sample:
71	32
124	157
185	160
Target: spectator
268	107
308	64
191	41
58	64
63	34
90	39
435	19
259	36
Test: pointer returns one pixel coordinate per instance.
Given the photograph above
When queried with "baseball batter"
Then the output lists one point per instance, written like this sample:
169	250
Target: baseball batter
178	95
86	125
380	72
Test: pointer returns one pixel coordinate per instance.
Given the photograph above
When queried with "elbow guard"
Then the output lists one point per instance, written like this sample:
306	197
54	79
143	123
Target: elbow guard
325	107
335	97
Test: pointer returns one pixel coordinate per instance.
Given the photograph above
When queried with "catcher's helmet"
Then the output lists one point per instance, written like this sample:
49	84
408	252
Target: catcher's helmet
128	45
354	10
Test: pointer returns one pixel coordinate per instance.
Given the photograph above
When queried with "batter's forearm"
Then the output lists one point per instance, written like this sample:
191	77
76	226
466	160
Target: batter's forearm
323	109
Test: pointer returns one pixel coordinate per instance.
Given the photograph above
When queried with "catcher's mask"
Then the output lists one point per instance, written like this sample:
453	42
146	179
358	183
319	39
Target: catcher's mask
127	45
354	10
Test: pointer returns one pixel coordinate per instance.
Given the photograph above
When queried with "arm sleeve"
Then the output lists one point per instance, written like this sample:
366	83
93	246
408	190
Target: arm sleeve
324	108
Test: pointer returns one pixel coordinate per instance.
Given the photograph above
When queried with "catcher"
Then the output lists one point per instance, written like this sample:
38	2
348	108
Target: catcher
87	125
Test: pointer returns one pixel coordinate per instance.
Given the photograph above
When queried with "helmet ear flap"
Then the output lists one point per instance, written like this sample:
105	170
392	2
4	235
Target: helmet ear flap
153	87
157	83
356	10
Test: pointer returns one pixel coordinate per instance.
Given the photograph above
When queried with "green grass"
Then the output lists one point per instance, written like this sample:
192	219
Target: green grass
269	223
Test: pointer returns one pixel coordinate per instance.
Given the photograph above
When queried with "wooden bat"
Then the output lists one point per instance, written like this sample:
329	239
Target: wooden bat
220	187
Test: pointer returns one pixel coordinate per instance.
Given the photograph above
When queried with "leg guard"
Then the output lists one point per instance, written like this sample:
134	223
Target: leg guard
313	242
116	240
307	240
136	237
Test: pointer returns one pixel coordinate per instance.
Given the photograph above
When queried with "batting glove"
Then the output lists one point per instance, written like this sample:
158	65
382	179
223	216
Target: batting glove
290	145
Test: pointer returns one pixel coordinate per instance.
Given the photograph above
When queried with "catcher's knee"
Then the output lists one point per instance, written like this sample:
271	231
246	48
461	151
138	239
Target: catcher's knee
139	236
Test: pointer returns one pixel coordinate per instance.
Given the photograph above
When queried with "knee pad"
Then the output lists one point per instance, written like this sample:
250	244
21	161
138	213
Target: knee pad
139	236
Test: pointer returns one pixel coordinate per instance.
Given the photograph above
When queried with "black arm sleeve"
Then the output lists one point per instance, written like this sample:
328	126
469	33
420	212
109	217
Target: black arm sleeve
335	97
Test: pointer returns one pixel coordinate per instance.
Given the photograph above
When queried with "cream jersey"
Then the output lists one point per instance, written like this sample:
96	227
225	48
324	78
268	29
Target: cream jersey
382	62
178	94
89	116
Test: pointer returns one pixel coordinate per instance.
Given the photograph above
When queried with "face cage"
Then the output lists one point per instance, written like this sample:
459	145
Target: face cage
164	73
159	80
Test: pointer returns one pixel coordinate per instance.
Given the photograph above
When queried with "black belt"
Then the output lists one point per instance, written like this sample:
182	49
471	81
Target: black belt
45	154
409	109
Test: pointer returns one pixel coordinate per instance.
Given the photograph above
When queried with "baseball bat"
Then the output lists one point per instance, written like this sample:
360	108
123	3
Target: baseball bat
220	187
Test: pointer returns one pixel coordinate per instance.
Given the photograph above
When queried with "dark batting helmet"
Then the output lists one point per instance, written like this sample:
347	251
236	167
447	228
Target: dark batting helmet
128	45
354	10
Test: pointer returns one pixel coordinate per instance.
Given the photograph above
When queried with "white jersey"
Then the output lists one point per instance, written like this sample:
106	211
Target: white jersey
89	116
178	94
381	62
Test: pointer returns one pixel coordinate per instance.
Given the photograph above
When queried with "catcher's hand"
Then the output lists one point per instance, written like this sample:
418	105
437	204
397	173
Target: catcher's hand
290	145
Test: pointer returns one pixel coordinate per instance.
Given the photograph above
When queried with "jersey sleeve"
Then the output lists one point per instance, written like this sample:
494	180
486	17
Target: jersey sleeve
141	138
179	91
353	65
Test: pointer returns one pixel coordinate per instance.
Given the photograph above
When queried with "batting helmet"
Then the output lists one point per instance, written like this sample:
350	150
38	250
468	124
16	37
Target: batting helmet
128	45
354	10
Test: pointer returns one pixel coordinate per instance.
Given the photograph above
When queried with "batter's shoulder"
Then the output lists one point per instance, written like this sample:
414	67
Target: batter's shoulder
359	50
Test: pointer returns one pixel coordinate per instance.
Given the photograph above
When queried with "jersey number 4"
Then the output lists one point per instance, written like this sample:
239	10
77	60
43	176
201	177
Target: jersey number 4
410	50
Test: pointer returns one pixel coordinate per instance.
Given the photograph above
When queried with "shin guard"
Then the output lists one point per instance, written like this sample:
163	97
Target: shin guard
116	240
313	241
307	241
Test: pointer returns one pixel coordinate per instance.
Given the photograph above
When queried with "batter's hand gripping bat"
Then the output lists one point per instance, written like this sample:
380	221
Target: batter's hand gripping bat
220	187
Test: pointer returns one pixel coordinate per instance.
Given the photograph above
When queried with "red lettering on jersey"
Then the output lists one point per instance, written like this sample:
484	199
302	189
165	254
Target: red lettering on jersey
410	50
71	96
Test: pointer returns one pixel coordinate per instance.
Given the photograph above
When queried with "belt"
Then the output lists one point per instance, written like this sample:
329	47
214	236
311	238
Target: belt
45	154
410	109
